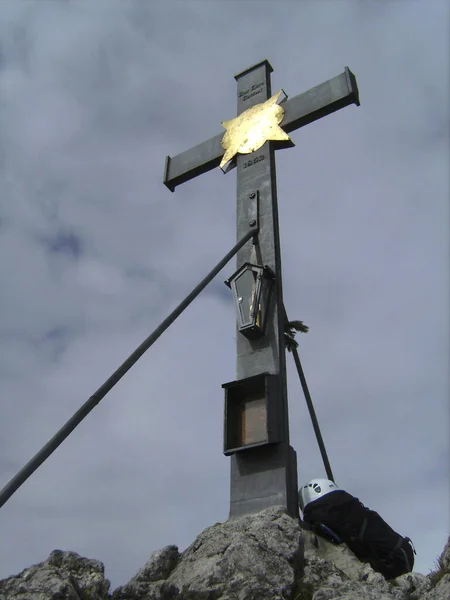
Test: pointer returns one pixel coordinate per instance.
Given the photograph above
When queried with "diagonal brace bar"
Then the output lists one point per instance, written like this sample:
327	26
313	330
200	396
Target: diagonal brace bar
312	412
82	412
313	416
322	100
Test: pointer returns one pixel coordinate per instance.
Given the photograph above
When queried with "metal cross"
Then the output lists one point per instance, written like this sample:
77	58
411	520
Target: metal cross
267	476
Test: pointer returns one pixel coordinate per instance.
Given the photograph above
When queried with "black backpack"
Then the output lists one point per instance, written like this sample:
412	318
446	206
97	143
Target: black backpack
341	517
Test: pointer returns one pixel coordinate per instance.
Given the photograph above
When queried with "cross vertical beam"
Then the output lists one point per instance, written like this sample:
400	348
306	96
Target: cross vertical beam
265	476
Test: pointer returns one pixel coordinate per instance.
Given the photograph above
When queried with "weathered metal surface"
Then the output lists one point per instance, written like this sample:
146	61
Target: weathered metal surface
322	100
266	476
191	163
262	476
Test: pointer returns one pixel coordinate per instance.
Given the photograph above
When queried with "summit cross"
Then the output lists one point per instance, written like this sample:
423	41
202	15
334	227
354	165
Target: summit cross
264	475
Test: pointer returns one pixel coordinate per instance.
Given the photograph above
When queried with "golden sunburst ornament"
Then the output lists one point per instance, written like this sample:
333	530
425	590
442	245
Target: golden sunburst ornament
253	128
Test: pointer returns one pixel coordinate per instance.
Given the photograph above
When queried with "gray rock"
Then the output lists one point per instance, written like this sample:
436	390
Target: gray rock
338	555
254	557
63	576
266	556
445	556
440	579
148	581
415	585
351	590
441	591
333	571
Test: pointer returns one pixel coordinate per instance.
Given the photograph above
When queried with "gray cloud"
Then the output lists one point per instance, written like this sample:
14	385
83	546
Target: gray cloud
95	252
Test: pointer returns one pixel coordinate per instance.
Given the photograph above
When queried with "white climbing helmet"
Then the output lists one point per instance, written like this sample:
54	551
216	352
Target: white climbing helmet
316	488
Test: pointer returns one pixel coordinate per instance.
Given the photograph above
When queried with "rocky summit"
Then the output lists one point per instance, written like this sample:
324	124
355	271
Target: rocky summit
265	556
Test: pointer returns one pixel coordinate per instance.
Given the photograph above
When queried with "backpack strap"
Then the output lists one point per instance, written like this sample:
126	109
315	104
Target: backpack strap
398	547
407	563
359	539
362	531
410	542
328	533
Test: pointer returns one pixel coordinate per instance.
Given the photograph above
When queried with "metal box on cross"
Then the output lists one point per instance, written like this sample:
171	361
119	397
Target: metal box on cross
251	415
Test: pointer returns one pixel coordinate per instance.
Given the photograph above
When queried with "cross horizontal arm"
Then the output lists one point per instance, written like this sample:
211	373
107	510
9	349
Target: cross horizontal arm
193	162
322	100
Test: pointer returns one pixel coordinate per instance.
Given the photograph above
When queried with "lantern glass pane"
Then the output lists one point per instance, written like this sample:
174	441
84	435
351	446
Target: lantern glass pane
245	291
266	286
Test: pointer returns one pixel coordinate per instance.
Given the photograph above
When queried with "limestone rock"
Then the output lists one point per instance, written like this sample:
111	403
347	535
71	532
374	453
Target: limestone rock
445	556
254	557
338	555
440	579
334	572
441	591
148	581
63	576
415	585
266	556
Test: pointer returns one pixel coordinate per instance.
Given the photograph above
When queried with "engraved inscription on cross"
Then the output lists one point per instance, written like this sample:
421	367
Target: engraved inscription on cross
263	474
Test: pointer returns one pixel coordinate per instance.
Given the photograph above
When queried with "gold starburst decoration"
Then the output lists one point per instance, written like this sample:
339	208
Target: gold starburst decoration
253	128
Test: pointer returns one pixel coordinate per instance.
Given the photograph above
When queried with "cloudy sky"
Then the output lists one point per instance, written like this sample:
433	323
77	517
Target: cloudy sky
95	252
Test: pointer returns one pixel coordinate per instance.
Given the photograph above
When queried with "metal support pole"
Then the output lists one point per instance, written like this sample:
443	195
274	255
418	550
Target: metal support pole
309	403
82	412
312	413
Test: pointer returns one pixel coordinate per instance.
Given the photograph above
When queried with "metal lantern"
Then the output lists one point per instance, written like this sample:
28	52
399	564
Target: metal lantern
251	287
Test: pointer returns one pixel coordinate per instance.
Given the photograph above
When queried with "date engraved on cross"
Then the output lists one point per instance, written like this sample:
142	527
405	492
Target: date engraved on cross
249	163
